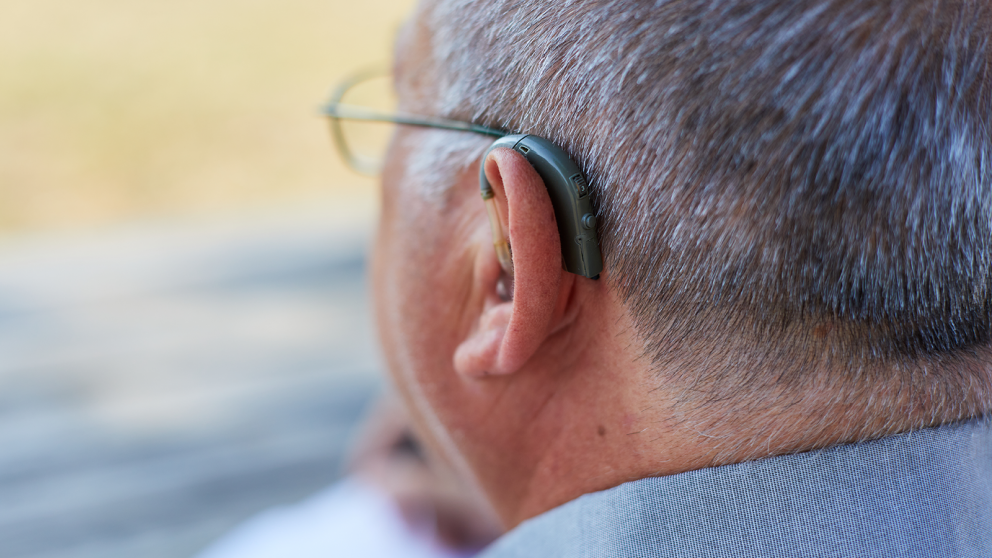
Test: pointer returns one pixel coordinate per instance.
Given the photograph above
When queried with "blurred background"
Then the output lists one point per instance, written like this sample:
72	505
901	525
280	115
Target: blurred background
185	336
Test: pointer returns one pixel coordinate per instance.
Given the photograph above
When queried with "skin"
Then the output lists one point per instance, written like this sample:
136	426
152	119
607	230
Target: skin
521	394
539	399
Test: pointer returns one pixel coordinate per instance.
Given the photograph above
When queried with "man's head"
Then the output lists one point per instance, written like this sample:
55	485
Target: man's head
795	207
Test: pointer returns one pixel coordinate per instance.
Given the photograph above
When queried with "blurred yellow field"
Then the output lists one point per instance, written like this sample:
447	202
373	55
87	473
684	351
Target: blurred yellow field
113	110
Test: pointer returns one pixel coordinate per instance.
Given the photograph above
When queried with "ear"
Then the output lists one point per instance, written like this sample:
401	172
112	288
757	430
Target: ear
509	332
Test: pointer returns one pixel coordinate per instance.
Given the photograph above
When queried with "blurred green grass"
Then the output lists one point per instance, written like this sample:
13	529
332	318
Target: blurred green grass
116	110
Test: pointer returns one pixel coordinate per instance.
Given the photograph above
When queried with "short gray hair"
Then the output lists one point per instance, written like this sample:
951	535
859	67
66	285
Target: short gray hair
808	180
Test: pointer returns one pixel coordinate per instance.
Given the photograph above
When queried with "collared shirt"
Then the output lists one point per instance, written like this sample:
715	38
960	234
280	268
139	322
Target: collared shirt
921	494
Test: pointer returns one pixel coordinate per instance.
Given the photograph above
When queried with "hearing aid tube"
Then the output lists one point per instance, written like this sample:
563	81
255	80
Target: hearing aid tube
500	242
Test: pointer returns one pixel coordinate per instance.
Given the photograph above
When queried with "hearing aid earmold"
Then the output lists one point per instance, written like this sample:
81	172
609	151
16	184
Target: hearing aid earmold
569	197
500	241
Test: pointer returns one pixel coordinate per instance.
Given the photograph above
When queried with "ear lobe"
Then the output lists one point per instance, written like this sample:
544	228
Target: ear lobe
508	333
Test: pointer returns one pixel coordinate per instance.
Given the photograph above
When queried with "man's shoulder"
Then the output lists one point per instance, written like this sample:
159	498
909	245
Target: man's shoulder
923	493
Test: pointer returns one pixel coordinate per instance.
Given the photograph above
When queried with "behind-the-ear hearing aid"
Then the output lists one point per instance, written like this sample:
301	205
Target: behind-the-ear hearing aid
569	197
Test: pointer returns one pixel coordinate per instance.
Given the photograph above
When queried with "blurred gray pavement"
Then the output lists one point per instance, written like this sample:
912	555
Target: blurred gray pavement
160	383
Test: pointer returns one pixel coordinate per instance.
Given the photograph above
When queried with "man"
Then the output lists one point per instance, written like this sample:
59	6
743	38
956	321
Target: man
788	352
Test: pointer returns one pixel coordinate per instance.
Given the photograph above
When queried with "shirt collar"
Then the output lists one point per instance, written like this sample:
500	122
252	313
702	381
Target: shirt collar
923	493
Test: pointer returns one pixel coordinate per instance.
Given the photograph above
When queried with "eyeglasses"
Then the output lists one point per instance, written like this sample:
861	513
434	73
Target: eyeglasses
362	115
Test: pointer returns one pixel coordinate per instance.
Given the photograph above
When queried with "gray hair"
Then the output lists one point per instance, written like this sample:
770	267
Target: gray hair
788	187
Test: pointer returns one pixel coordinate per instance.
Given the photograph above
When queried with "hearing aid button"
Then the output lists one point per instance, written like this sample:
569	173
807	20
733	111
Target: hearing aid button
589	221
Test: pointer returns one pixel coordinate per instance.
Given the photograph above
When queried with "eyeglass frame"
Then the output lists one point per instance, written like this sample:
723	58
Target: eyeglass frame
336	111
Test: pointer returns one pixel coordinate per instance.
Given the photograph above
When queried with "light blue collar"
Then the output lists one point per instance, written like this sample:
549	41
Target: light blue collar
921	494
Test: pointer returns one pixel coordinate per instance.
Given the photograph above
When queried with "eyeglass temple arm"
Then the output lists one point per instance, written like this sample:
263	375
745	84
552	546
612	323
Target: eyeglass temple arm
344	111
